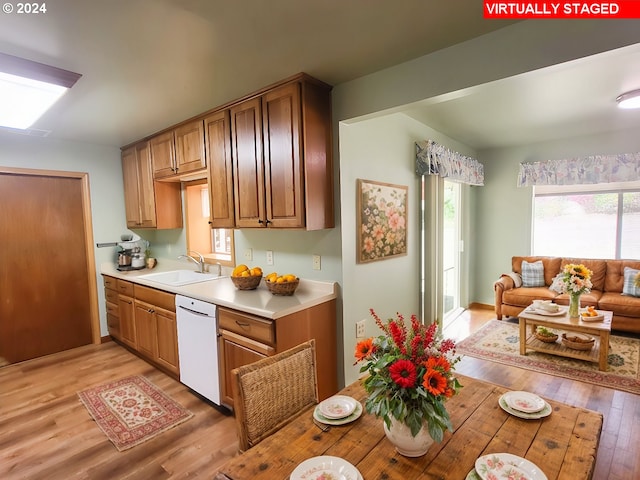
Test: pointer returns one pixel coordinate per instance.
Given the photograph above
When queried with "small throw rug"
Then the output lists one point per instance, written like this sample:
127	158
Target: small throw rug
499	341
132	410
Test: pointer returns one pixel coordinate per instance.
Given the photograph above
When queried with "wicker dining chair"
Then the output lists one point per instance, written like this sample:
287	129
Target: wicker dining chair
268	393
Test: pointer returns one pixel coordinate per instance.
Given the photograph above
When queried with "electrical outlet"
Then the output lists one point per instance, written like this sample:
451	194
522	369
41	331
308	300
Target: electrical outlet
269	257
360	328
248	254
316	262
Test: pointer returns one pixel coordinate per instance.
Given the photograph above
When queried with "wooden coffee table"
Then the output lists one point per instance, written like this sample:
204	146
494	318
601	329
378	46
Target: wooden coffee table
600	330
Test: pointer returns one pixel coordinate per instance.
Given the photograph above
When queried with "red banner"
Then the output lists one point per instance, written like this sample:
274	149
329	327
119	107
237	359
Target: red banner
562	9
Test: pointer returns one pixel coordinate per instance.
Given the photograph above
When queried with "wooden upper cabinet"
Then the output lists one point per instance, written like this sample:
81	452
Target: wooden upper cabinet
283	166
178	151
163	155
248	167
190	153
282	151
148	204
220	169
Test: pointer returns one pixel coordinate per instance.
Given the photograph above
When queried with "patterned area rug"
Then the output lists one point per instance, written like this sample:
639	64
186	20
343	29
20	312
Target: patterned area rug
499	341
132	410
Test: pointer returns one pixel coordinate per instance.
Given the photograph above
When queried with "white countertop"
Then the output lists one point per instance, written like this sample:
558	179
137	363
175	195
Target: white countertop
221	291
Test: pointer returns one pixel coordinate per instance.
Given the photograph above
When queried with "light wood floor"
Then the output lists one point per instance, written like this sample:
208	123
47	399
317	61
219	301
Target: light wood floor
46	433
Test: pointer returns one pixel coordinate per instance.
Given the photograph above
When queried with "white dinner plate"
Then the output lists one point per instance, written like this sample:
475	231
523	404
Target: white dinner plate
524	401
325	467
317	414
498	463
539	311
545	412
337	406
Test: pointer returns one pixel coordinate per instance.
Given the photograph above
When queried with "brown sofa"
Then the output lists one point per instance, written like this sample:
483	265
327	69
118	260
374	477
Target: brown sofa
606	294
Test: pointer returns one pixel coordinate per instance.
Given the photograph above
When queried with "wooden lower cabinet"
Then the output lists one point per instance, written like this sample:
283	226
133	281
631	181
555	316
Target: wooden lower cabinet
144	319
246	338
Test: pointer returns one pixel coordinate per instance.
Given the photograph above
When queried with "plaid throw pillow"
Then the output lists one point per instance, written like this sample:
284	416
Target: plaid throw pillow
532	274
629	287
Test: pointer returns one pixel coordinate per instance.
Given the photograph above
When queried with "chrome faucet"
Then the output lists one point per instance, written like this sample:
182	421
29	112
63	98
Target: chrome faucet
199	261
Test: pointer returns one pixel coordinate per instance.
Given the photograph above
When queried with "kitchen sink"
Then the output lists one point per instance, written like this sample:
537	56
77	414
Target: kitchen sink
177	278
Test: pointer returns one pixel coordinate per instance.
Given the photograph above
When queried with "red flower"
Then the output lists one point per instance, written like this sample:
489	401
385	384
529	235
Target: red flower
403	372
438	363
434	382
364	349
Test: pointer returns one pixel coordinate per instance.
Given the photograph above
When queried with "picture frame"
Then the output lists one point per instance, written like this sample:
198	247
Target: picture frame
381	220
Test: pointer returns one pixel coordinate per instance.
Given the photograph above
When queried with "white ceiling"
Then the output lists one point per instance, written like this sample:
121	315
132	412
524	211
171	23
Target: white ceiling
148	64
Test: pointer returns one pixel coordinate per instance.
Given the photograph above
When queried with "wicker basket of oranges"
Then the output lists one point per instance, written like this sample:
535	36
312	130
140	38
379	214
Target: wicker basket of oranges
245	278
282	284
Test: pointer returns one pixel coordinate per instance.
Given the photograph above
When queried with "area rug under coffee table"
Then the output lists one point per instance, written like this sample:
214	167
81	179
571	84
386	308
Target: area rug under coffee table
132	410
498	341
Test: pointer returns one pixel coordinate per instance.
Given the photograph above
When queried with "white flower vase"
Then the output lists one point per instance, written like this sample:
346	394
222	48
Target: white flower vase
406	444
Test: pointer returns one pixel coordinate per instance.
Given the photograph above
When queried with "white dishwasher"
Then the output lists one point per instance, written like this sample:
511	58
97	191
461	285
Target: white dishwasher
198	346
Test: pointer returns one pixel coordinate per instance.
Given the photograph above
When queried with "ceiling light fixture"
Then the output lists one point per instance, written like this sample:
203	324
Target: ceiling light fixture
28	89
629	99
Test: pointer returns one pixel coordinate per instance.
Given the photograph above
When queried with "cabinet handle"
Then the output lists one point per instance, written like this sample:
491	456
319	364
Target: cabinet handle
242	324
259	221
210	222
151	310
267	222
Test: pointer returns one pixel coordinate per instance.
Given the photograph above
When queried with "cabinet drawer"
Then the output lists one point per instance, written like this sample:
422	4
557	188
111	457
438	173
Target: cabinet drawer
247	325
112	309
111	295
110	282
125	288
155	297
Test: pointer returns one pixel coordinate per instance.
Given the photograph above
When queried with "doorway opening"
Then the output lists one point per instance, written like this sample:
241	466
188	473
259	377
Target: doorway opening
451	250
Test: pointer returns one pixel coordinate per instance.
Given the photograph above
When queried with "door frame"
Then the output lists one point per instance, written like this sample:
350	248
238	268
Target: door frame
88	236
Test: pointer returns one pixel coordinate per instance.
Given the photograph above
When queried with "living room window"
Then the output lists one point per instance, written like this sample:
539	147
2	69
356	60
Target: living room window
588	221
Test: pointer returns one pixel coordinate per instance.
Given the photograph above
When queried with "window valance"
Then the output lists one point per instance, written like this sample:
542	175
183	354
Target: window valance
581	171
435	159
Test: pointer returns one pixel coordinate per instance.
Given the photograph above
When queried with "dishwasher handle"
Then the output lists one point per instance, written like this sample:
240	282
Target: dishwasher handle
195	312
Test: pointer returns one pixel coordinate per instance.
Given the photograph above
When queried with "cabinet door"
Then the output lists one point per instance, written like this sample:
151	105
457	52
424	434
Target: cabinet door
283	170
131	191
127	313
145	184
190	154
163	155
246	138
145	329
167	340
218	145
234	355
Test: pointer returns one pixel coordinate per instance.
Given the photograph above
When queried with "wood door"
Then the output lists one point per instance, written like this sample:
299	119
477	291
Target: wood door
48	299
163	155
167	333
190	154
234	355
218	144
126	311
248	182
283	169
144	320
146	190
131	190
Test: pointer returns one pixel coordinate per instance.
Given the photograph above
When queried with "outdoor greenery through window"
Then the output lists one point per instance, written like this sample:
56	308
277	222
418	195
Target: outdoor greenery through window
216	245
587	221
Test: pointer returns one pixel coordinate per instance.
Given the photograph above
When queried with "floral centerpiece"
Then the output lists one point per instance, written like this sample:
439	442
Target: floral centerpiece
410	375
576	280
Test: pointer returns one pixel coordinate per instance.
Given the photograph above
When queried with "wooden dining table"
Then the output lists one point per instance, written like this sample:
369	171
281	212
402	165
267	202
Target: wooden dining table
563	445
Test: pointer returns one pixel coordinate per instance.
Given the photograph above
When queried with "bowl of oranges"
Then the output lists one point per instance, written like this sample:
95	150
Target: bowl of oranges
282	284
591	315
245	278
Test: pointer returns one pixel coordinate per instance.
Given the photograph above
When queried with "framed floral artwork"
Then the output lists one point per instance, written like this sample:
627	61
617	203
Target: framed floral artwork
381	220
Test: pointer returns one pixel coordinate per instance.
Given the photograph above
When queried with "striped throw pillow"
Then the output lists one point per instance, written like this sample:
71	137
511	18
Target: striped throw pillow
532	274
629	287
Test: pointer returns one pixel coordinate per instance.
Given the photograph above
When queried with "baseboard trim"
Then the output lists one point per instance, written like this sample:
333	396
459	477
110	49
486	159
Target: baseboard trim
481	306
106	339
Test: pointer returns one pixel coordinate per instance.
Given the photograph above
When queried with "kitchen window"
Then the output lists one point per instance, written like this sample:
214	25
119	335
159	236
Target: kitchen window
587	221
215	244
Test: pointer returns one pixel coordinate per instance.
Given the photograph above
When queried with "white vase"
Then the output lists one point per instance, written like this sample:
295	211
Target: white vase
406	444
